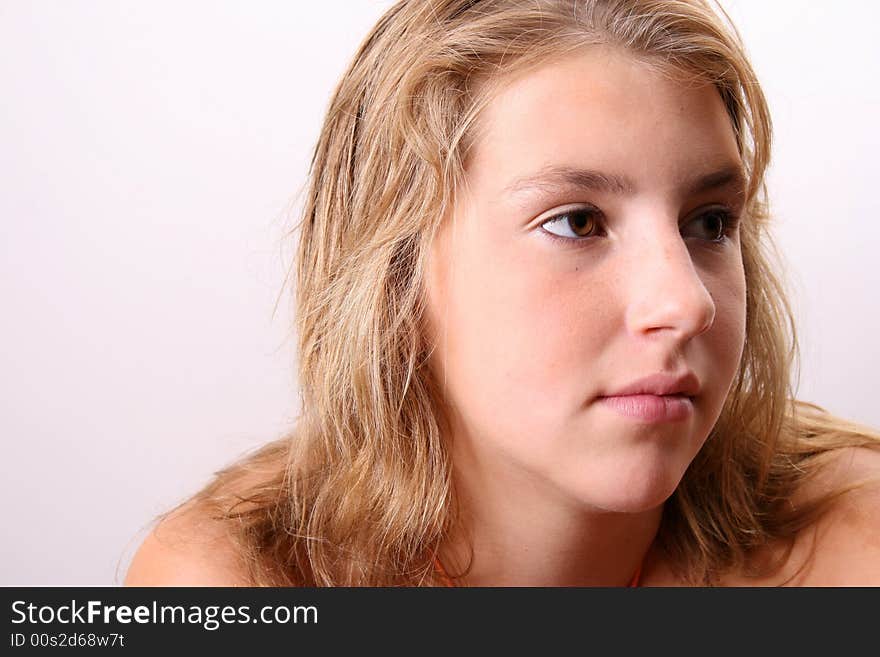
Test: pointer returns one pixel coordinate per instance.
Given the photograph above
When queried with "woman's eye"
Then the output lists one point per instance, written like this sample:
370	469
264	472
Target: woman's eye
719	224
715	224
575	224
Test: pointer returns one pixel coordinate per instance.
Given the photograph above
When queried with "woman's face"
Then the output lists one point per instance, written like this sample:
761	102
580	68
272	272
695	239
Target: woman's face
595	245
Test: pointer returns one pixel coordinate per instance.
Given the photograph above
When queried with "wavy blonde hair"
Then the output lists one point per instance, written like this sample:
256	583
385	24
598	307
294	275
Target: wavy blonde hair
360	493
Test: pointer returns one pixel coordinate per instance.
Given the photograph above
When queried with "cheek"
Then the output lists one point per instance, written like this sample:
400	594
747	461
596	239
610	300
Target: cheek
726	339
515	342
730	324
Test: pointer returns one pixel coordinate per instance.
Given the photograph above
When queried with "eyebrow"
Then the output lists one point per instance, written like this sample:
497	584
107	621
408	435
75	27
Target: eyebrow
552	178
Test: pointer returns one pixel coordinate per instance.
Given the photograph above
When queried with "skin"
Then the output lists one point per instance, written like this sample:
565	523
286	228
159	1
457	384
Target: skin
554	488
530	330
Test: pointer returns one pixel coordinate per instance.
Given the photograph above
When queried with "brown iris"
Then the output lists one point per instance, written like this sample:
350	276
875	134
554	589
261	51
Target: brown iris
582	222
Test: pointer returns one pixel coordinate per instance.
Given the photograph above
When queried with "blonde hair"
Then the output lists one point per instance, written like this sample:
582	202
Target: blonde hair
361	493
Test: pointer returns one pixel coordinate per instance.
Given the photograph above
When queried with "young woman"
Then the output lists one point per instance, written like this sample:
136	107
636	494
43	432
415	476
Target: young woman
541	337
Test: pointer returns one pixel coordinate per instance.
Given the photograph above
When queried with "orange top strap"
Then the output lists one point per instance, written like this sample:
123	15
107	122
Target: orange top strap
441	571
634	583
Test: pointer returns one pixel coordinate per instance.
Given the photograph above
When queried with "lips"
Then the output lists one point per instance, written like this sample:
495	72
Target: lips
682	384
651	408
656	398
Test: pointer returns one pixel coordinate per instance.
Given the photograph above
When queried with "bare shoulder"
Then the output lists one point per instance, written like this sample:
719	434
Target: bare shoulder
841	549
190	547
186	548
846	541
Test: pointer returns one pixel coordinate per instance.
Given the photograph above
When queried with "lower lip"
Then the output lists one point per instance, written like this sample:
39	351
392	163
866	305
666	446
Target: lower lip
651	408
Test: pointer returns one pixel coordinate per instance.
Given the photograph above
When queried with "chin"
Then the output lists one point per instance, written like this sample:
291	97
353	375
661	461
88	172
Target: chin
633	489
627	502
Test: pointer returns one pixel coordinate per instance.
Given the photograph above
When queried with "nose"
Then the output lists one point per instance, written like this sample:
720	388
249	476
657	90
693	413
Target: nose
668	295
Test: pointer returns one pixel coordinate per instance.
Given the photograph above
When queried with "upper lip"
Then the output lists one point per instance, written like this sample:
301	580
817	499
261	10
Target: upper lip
686	383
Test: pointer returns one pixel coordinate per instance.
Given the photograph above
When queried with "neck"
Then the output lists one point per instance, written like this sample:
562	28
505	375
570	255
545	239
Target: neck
537	537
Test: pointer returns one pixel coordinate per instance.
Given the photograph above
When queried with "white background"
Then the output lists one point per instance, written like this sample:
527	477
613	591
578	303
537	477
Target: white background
151	154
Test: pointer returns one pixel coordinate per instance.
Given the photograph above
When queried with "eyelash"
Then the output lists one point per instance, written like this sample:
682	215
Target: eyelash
730	221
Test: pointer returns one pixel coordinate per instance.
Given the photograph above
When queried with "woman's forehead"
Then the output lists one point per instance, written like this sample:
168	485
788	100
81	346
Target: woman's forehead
602	110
